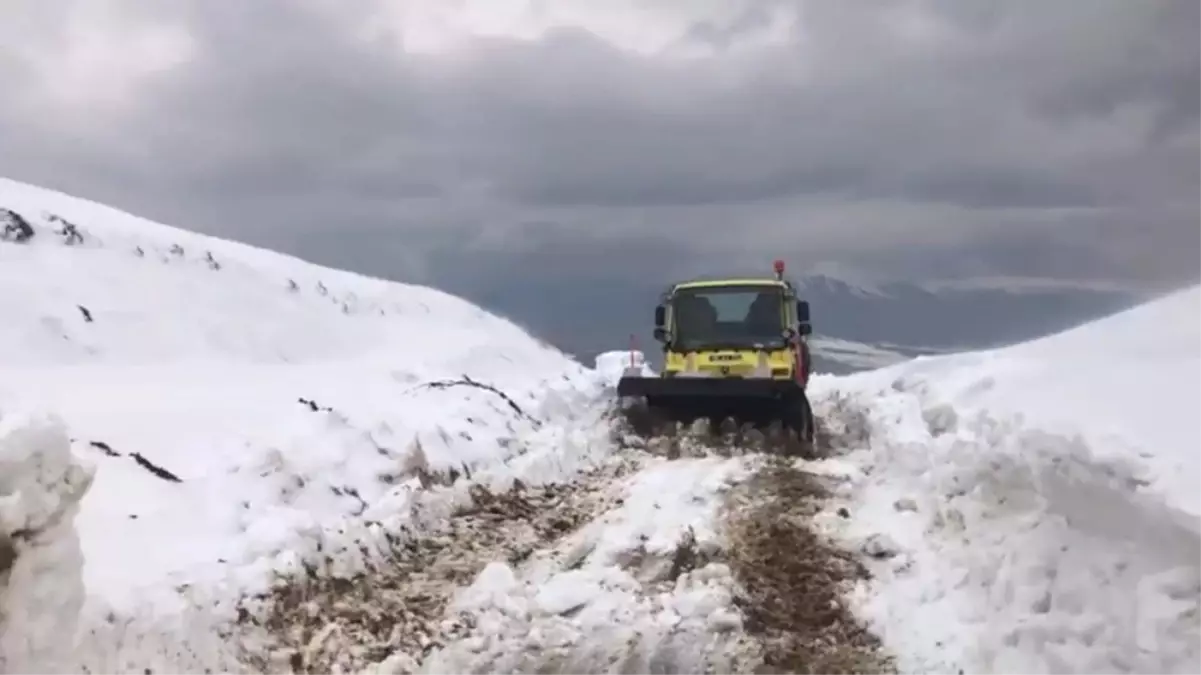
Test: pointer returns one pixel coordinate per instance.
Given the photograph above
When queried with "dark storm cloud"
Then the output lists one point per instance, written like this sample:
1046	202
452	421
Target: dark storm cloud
1036	125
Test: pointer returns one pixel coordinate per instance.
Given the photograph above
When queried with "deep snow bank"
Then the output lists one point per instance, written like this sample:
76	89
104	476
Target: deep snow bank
1038	504
41	567
245	410
1130	385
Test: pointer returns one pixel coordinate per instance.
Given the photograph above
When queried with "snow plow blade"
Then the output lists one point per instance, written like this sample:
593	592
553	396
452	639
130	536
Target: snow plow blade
659	388
758	402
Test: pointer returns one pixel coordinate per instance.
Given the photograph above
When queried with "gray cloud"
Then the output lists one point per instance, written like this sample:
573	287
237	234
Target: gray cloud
1057	139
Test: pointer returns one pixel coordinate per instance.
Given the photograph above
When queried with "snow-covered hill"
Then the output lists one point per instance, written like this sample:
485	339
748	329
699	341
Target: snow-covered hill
235	407
218	457
1041	502
134	292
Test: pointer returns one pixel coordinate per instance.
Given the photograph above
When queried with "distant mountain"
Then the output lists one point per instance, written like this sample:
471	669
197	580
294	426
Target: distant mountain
838	357
955	314
857	324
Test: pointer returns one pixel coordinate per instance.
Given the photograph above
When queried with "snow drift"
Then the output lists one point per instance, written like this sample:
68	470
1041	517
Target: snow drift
1035	508
240	408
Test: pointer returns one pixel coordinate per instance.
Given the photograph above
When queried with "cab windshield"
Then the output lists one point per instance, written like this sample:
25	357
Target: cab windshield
734	317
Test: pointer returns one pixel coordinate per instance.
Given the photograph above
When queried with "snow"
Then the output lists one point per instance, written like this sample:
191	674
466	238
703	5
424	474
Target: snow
155	304
40	559
663	502
605	600
287	401
1129	385
1042	499
183	417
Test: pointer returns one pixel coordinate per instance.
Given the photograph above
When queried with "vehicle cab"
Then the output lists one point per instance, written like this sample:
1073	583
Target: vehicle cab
740	327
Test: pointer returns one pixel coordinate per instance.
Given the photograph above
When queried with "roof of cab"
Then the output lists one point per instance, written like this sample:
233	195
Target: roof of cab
717	283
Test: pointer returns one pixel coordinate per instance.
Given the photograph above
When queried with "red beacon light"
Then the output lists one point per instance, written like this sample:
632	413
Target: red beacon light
778	266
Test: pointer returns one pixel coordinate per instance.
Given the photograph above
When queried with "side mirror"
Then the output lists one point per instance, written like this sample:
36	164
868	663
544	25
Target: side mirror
805	329
802	311
661	334
660	317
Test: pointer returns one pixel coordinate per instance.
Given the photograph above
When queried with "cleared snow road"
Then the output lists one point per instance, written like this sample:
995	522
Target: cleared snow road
703	563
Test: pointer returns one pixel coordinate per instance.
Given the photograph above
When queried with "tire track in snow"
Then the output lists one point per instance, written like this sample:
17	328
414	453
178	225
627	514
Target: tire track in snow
792	580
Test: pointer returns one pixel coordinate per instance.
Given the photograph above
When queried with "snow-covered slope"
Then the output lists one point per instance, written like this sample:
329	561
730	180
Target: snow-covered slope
1039	505
182	418
232	407
157	294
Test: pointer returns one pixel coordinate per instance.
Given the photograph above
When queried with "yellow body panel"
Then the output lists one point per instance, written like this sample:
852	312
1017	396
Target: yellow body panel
729	362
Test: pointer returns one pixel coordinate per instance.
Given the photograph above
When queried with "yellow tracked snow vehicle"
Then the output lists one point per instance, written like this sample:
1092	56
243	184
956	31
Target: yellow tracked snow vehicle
734	349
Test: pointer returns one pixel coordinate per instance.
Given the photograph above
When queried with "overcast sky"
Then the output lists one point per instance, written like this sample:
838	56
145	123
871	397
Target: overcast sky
587	139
